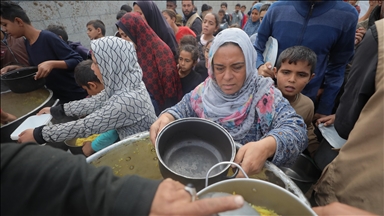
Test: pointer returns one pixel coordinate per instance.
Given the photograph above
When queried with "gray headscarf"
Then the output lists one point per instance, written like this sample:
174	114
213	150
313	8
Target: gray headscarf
236	112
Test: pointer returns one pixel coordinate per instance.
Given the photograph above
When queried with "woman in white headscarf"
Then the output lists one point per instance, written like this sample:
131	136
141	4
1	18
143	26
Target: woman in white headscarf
247	105
124	104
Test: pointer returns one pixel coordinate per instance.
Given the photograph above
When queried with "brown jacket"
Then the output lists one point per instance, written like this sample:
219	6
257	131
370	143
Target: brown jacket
355	177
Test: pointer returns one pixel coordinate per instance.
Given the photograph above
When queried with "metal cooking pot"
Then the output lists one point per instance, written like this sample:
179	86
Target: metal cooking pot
260	193
187	148
23	106
22	80
136	155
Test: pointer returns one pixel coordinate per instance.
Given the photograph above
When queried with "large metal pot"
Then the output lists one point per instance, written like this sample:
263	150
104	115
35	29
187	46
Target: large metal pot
187	148
23	106
22	80
135	155
262	193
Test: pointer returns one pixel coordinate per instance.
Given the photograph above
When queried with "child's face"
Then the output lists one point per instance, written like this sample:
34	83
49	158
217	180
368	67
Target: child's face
243	9
93	88
255	15
93	33
12	28
292	78
209	24
185	61
168	19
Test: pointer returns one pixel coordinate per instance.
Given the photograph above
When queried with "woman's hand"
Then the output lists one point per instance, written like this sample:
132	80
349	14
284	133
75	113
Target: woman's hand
45	110
327	120
253	155
87	148
172	199
360	32
163	120
26	136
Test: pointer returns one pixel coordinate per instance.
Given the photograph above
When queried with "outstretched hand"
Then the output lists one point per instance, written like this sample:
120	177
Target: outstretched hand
172	199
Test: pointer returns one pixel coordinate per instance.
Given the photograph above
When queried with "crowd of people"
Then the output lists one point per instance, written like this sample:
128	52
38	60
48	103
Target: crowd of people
161	66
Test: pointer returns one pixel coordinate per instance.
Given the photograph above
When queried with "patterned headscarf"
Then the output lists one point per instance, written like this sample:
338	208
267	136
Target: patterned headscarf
155	58
236	112
118	65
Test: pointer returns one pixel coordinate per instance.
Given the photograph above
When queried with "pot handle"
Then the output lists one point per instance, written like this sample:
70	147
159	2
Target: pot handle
222	163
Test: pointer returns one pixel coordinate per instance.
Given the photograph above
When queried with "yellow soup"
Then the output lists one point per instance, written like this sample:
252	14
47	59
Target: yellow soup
80	141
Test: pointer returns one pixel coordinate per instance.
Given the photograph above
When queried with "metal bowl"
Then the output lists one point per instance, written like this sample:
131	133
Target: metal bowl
262	193
73	148
304	172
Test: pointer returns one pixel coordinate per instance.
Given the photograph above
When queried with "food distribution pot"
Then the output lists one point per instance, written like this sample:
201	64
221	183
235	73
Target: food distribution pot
23	106
136	155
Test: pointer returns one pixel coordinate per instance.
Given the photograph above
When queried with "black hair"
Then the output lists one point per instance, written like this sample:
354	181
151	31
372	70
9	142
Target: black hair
243	6
204	7
193	2
209	7
10	11
120	14
126	8
174	2
191	49
221	11
217	18
97	24
237	5
225	4
188	39
264	7
84	73
59	31
295	54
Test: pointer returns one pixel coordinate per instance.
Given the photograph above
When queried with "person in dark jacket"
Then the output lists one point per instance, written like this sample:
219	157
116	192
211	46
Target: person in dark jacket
39	180
191	18
312	24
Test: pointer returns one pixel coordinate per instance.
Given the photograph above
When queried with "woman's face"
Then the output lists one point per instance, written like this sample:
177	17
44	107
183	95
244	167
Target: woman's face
96	69
125	37
255	15
168	18
229	68
137	9
209	24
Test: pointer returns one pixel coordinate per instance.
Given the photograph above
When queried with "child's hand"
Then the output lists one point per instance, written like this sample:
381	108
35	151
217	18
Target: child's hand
45	110
26	136
43	70
327	120
266	70
87	148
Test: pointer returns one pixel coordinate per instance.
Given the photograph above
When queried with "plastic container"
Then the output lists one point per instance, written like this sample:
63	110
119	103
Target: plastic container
30	123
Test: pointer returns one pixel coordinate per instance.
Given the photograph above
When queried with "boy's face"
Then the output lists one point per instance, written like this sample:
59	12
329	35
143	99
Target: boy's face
292	78
243	9
237	8
12	28
93	33
223	7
